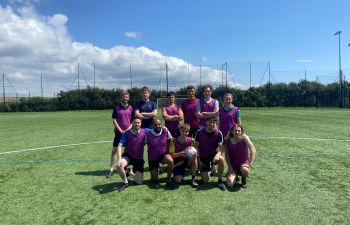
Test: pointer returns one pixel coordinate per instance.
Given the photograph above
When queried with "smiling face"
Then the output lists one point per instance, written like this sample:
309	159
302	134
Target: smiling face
145	95
171	99
136	124
191	93
125	98
228	100
157	126
211	124
207	93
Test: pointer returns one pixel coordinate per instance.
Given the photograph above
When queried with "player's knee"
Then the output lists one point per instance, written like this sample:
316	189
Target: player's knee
178	179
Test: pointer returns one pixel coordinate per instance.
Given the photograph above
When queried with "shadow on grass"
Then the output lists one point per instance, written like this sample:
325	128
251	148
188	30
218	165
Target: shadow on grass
235	188
93	173
107	188
160	184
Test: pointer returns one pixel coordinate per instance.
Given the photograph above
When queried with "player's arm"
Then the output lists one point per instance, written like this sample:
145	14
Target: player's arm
148	115
138	114
116	125
199	112
166	116
238	116
251	148
214	113
180	114
230	170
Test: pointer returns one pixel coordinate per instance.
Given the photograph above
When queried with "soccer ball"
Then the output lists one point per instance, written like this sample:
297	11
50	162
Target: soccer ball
190	151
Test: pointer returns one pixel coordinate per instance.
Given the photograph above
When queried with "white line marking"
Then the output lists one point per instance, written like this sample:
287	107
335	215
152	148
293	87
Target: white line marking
296	138
99	142
51	147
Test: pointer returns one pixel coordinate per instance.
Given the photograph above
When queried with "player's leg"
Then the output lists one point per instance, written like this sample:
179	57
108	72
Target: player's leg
205	168
153	168
245	173
219	159
138	171
121	170
231	179
193	165
116	140
167	159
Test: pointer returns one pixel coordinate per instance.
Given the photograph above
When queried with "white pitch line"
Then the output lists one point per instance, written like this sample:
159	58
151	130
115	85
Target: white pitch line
51	147
311	139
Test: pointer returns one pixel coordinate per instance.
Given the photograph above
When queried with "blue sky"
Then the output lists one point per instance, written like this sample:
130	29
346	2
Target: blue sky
293	35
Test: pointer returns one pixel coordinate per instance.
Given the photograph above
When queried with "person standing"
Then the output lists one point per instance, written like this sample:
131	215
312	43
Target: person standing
189	108
172	115
207	106
236	147
209	142
121	118
229	115
146	109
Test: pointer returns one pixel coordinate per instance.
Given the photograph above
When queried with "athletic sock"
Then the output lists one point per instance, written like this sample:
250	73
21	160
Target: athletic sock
169	179
193	177
125	181
111	169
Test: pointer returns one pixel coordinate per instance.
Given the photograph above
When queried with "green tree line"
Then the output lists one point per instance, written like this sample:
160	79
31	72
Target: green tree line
294	94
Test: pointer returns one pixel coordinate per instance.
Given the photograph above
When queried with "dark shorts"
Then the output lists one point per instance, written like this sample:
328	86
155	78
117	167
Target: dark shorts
180	169
193	132
206	162
117	137
174	132
137	164
154	164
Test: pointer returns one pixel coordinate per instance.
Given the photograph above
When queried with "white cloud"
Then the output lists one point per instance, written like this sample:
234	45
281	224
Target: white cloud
31	44
133	35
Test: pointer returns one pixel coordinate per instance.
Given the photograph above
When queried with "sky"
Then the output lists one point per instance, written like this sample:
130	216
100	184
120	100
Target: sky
127	44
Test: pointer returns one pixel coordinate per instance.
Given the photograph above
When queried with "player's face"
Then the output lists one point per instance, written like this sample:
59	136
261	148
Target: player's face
171	99
228	100
157	126
125	98
207	93
237	132
136	124
211	124
190	93
145	95
184	132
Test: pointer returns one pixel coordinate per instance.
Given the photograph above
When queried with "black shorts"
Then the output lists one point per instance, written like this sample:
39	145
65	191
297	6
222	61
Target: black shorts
137	164
117	137
174	132
206	162
180	169
154	164
193	132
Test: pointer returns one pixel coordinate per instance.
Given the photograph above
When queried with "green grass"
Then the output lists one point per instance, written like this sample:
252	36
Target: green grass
300	176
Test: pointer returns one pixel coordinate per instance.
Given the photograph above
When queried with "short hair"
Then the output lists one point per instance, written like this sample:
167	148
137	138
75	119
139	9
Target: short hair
170	94
228	94
185	126
137	117
145	88
190	87
207	86
212	118
125	93
234	126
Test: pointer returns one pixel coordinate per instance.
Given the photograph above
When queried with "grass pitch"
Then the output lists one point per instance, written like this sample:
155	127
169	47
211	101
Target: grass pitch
300	175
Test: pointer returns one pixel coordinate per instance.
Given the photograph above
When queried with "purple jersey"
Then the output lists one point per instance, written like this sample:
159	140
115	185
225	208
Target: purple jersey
172	111
123	116
189	108
206	107
157	144
208	142
237	153
179	147
134	143
228	118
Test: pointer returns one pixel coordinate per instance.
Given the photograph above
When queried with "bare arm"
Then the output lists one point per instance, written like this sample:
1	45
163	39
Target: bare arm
116	125
251	148
228	159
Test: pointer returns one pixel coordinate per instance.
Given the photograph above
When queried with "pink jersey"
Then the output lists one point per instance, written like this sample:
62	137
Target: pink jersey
172	111
189	108
206	107
123	117
238	153
134	143
228	118
179	147
157	144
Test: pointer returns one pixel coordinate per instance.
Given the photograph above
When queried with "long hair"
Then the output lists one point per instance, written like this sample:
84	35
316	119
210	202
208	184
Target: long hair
236	125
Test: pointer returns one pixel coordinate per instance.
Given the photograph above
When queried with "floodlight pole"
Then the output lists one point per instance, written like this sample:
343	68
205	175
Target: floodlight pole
3	90
340	72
